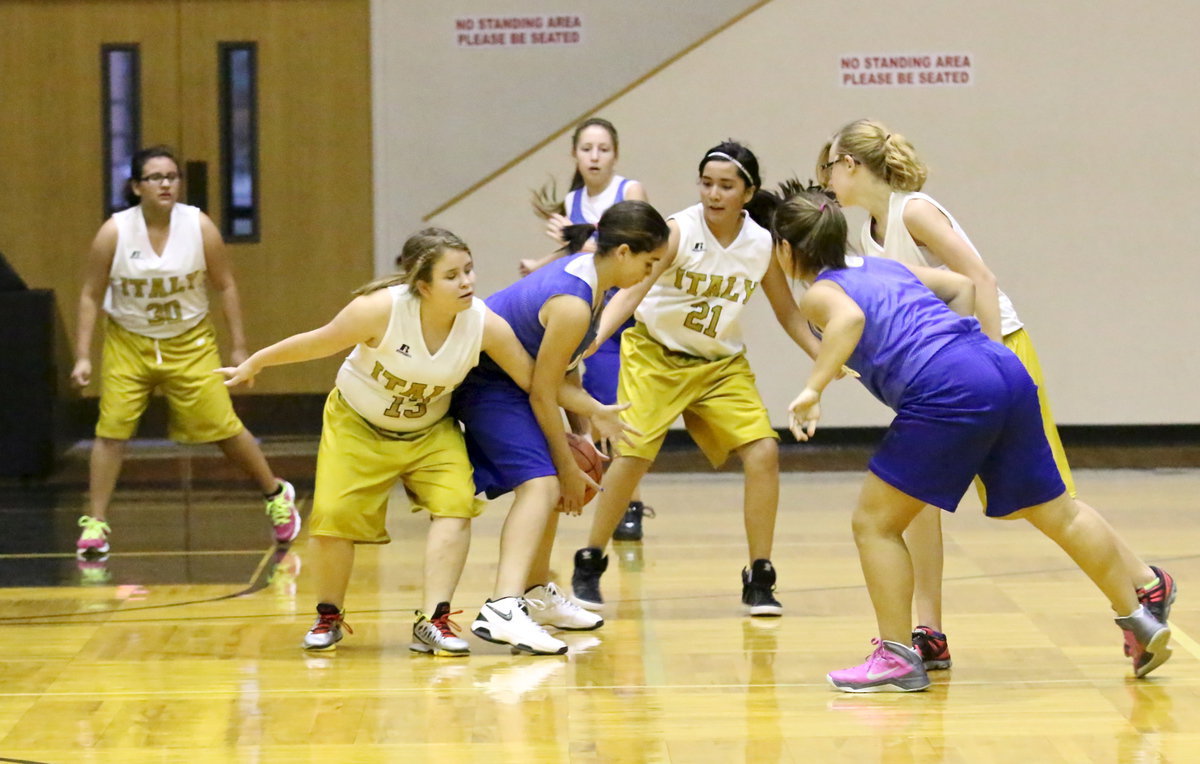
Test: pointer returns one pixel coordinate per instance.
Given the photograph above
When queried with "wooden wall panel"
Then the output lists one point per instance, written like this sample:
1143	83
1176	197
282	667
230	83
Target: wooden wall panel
314	152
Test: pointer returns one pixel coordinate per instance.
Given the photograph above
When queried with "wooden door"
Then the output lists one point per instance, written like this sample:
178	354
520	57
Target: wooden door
313	144
314	159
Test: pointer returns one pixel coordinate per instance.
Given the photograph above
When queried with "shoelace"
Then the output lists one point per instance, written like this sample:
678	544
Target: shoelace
328	622
93	528
278	509
444	625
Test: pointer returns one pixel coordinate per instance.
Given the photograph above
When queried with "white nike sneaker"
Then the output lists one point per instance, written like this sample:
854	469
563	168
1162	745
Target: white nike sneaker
549	607
506	622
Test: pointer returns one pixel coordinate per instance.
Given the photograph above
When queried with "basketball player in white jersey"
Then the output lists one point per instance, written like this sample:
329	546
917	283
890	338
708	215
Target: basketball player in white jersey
686	357
595	187
415	336
150	268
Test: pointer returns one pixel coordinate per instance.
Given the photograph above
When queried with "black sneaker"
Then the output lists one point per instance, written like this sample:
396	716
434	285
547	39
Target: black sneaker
630	528
758	585
590	564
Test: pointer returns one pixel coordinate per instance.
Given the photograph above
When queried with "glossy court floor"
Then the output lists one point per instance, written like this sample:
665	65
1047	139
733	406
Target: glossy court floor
185	646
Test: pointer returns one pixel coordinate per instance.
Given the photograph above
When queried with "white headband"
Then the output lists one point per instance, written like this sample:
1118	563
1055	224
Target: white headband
722	155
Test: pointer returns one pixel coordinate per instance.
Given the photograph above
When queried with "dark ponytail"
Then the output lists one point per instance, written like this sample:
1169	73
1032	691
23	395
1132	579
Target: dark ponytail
575	236
631	222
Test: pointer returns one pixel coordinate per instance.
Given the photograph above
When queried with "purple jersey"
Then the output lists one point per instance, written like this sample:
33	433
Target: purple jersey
906	324
520	302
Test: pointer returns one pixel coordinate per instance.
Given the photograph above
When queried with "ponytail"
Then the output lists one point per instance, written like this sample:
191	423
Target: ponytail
813	226
887	155
575	236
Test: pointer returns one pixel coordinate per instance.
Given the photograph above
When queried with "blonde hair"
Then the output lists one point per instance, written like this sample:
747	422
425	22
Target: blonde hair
887	155
421	252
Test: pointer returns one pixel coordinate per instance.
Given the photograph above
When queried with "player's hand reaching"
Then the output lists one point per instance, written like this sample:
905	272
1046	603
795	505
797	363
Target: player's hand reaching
554	227
244	372
804	413
608	427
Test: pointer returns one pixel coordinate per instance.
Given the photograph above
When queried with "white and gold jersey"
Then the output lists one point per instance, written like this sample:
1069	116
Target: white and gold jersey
694	306
159	296
401	386
898	244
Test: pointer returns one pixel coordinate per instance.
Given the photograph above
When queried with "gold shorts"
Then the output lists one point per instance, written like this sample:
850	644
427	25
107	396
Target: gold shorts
181	368
358	465
719	402
1022	346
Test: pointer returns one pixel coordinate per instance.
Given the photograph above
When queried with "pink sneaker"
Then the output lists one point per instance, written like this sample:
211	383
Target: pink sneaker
1146	640
93	541
281	509
893	667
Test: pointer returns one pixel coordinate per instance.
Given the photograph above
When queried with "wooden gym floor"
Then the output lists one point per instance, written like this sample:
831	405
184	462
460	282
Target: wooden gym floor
185	645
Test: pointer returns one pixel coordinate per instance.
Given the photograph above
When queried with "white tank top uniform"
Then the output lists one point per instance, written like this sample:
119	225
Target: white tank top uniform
400	386
694	306
582	208
898	244
158	296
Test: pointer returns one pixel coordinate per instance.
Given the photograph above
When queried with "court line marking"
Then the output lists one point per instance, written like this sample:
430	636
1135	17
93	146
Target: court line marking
176	553
257	585
258	581
1121	680
1186	642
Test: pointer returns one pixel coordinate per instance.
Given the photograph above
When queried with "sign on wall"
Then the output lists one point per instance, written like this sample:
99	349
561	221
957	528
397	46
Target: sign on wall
518	31
907	70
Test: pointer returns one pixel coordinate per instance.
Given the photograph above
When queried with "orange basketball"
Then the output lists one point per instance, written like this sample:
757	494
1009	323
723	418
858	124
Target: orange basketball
588	460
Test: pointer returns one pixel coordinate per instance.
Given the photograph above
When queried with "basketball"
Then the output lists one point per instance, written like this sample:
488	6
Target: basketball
588	460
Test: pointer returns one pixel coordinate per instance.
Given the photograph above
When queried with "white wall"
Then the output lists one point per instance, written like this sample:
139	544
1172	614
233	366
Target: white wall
1070	160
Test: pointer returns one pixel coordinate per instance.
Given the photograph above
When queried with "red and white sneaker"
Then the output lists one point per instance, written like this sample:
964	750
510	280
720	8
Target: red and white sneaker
893	667
435	634
326	632
281	509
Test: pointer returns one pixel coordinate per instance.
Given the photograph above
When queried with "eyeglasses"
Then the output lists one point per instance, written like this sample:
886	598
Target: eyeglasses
827	166
159	177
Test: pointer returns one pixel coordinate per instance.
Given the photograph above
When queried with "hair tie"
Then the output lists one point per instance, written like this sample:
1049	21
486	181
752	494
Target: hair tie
886	137
822	209
727	158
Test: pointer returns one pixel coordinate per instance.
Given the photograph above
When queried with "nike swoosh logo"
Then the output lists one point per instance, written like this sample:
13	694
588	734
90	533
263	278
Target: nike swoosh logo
873	676
505	616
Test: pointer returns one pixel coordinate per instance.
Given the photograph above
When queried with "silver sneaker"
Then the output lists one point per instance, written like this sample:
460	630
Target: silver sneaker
436	635
549	607
327	631
1146	640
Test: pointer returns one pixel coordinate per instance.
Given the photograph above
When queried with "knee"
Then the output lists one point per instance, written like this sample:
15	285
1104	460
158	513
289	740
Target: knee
543	490
873	522
761	456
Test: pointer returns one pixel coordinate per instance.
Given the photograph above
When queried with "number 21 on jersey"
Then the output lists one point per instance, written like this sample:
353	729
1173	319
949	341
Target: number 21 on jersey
696	318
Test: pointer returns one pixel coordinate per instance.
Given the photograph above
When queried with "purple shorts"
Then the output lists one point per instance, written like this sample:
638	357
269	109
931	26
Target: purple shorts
504	442
972	410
